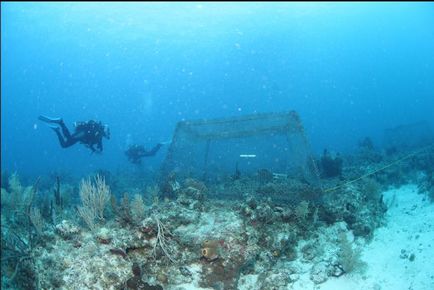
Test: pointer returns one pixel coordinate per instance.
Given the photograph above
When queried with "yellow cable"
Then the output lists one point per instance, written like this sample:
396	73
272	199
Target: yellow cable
380	169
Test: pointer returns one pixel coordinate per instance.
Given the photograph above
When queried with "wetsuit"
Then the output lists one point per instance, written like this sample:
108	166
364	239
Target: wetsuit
89	133
136	152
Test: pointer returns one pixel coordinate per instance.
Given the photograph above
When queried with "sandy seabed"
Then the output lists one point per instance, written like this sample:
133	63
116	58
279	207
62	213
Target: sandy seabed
409	231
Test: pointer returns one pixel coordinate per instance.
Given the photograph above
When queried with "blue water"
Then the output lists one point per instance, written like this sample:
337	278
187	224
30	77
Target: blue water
350	70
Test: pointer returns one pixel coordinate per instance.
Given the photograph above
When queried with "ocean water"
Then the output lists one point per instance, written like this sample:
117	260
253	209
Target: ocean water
350	71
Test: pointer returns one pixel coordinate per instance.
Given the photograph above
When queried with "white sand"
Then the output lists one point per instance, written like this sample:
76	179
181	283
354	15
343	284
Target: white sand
410	227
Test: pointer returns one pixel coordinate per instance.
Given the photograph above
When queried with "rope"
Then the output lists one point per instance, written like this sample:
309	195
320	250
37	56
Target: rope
380	169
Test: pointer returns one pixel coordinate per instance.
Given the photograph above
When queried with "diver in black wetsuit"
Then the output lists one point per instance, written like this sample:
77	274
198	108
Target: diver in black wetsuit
89	133
136	152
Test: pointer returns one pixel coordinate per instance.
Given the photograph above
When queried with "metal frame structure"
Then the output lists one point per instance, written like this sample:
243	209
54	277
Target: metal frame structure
208	131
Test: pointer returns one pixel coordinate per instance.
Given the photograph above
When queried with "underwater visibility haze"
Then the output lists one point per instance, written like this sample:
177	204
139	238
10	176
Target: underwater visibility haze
240	145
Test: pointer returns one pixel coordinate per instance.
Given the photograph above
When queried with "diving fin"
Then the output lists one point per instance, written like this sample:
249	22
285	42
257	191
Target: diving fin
50	120
55	128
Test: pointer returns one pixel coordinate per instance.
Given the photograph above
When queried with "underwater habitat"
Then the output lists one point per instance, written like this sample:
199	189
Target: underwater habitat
217	145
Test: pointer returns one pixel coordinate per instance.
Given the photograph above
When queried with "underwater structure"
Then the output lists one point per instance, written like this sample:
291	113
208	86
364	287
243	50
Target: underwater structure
276	141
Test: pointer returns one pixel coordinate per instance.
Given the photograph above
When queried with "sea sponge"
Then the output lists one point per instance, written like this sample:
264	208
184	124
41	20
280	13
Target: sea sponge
210	250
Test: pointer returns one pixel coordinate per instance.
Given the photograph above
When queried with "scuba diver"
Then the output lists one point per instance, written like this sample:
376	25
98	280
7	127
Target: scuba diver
136	152
89	133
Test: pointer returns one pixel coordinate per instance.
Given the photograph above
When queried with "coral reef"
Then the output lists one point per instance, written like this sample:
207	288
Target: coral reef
259	231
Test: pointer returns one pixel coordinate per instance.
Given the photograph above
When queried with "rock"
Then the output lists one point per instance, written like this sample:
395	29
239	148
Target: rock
404	254
264	213
251	202
275	281
185	271
336	270
136	283
190	203
293	277
103	236
67	230
247	211
309	252
186	217
147	225
318	274
412	257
